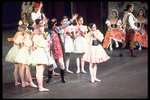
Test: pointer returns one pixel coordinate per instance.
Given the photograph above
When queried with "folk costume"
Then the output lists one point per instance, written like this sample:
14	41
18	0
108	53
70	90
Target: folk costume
58	44
95	52
113	34
130	32
142	36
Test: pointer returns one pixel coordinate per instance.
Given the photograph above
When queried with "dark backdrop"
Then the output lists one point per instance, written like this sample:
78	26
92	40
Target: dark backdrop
92	12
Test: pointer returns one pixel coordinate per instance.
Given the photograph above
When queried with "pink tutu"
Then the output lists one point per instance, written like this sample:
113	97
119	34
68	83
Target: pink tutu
95	54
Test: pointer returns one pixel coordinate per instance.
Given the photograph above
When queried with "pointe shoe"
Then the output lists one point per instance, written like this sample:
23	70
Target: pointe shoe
17	83
26	83
92	79
43	89
83	71
23	84
68	71
97	80
33	85
77	71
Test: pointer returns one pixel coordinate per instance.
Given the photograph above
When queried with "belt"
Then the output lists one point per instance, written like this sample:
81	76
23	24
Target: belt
95	43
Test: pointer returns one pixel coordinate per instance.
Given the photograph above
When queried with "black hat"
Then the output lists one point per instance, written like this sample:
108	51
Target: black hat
51	23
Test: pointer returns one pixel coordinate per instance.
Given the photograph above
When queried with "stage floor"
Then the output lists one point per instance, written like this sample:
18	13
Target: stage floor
121	77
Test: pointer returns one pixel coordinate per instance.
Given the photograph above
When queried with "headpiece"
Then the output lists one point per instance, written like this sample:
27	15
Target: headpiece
114	10
36	4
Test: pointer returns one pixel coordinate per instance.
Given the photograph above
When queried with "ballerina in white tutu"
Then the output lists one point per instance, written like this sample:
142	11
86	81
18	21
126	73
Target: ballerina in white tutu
12	53
80	43
39	57
22	58
95	52
69	46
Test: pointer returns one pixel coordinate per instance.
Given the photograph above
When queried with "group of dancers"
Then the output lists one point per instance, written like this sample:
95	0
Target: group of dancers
40	43
117	29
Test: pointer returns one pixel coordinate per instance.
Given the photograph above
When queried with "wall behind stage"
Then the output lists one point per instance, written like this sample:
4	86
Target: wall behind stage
120	6
92	12
11	13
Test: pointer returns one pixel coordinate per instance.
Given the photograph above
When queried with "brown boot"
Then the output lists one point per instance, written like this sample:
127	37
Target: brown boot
132	55
121	51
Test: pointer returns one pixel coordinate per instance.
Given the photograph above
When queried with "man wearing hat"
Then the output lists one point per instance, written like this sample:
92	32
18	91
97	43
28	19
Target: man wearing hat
36	11
57	46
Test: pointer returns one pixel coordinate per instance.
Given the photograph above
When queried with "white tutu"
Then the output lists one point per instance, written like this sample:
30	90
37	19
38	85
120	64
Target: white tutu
11	55
80	45
40	56
23	55
69	46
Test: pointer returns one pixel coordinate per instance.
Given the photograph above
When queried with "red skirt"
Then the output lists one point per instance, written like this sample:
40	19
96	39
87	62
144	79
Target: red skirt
142	37
116	34
56	48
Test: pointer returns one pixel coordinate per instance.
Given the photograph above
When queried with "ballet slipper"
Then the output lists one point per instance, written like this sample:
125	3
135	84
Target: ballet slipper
92	79
77	71
97	80
43	89
26	83
83	71
68	71
23	84
33	85
17	83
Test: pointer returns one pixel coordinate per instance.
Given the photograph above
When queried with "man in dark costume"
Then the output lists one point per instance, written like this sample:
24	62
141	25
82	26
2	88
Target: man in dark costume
57	45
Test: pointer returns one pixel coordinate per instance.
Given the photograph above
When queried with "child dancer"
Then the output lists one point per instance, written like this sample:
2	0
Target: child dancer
95	52
22	58
69	46
39	57
80	43
12	53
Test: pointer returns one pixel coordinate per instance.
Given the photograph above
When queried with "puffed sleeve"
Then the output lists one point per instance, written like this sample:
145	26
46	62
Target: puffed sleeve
100	35
85	27
108	22
119	22
145	21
